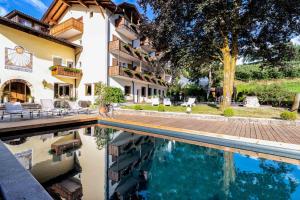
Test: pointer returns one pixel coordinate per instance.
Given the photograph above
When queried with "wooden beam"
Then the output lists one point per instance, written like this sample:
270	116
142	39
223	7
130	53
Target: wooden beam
64	1
82	3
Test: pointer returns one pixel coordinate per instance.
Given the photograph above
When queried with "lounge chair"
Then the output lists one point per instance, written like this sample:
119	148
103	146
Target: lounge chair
190	102
167	102
15	108
155	101
75	108
48	107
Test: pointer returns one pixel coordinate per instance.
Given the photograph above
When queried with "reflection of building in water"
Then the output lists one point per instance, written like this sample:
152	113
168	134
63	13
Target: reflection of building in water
129	160
54	169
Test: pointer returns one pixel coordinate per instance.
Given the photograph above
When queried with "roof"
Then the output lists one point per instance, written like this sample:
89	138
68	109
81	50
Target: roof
19	13
58	8
26	29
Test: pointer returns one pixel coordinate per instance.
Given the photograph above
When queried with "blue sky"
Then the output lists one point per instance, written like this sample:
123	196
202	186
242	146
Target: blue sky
36	8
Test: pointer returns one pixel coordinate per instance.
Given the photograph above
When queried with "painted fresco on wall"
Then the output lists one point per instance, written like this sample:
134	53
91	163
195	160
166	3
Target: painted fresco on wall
18	59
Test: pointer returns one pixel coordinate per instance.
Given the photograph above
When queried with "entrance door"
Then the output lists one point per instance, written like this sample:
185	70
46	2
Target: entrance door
138	95
17	92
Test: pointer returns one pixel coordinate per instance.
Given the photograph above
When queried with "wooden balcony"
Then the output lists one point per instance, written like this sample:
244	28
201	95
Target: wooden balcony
67	29
147	45
123	50
126	29
66	72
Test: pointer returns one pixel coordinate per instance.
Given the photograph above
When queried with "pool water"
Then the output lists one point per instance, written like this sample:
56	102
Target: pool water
100	163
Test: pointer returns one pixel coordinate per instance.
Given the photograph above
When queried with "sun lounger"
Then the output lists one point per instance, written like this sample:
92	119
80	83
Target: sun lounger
190	102
155	101
48	107
15	108
75	108
167	102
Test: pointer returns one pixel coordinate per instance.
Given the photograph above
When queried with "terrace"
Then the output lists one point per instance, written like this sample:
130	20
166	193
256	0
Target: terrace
66	72
124	27
67	29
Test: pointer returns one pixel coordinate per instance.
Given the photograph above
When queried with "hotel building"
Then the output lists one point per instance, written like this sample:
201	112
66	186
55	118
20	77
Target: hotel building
75	45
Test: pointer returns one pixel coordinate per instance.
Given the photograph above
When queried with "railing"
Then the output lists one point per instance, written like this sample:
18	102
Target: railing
125	72
118	45
66	71
71	23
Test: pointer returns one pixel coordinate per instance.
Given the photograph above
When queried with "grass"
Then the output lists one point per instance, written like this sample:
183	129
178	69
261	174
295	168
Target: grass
291	85
263	112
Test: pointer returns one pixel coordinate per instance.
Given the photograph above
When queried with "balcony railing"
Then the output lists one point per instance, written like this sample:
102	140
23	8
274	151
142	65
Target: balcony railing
147	45
124	27
128	73
68	28
124	50
66	72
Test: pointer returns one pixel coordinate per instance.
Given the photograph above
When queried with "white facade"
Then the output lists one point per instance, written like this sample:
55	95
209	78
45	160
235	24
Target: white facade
94	59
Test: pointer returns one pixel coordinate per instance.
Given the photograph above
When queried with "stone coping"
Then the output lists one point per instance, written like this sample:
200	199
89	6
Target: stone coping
15	181
265	121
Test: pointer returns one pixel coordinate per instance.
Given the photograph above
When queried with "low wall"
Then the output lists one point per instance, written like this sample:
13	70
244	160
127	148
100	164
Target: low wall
15	181
206	117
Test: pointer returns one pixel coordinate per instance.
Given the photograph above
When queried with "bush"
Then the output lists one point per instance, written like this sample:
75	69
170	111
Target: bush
228	112
138	107
161	108
287	115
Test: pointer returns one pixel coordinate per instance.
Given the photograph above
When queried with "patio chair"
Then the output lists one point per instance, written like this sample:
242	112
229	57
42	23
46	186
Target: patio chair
15	108
75	108
155	101
190	102
48	107
167	102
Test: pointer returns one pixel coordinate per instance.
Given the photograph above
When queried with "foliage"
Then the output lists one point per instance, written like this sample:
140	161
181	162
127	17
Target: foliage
287	115
274	94
138	107
176	91
67	69
228	112
257	72
198	33
161	108
107	95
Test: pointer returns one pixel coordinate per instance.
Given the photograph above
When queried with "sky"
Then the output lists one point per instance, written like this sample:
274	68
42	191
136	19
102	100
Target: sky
37	8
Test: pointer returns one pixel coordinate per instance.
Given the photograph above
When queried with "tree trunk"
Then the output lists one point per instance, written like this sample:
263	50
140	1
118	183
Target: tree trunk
296	103
228	172
227	90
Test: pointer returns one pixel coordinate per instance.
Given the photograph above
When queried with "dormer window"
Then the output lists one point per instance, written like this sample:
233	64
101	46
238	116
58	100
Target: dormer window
25	22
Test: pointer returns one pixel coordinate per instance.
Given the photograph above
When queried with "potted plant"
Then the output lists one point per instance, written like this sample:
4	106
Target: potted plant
100	92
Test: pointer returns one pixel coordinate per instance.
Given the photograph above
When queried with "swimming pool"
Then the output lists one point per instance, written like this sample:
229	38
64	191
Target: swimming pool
95	162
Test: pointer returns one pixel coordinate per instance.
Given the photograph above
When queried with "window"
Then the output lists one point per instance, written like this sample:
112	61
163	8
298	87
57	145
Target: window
143	92
57	61
91	14
62	90
149	92
70	64
163	93
159	92
88	89
155	92
127	90
25	22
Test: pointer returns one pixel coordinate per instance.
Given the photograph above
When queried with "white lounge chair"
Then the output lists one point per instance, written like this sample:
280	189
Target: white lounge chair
48	107
190	102
167	102
15	108
75	108
155	101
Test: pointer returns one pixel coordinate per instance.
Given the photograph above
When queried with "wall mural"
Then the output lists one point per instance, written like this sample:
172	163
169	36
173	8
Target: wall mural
18	59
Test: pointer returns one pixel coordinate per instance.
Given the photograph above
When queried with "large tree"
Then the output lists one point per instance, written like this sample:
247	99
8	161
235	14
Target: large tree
196	33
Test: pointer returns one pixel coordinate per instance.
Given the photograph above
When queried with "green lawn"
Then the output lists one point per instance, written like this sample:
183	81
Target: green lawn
263	112
291	85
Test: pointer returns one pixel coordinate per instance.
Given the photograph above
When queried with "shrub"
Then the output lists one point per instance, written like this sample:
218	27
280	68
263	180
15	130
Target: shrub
228	112
287	115
138	107
161	108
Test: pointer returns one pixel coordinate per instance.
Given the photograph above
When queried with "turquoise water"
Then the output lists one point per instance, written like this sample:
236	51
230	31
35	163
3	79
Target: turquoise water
112	164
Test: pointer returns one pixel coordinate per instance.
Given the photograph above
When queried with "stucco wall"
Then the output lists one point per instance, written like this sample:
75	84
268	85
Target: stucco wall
43	50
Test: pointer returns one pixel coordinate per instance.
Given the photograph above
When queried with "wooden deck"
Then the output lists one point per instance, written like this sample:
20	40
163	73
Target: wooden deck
274	133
